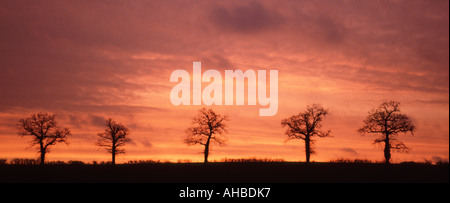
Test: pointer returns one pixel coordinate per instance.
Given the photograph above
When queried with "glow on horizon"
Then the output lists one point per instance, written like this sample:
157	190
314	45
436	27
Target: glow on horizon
87	63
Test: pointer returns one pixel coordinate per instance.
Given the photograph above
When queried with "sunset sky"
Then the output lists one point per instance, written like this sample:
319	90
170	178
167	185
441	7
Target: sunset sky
87	61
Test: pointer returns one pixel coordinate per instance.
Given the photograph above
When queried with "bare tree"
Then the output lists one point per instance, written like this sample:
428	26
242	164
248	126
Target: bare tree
208	126
388	121
44	131
306	125
114	138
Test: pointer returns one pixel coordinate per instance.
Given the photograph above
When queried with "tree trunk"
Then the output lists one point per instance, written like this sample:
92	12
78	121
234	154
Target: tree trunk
307	148
113	153
387	150
42	157
42	150
206	152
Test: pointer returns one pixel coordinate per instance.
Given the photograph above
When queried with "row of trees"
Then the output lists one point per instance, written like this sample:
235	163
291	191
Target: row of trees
208	127
45	132
386	120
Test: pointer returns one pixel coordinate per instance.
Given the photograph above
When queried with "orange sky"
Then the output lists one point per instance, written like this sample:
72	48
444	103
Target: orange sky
87	61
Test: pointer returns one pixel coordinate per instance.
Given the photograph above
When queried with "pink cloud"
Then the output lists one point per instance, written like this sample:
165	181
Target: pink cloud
88	60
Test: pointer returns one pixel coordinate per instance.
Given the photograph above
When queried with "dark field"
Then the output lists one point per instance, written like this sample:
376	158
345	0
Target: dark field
284	172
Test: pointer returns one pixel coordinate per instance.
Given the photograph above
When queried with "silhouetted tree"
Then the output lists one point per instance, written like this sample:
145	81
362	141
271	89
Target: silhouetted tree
306	125
389	122
114	138
208	126
44	131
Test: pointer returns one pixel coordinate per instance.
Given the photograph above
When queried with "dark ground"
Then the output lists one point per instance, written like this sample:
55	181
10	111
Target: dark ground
283	172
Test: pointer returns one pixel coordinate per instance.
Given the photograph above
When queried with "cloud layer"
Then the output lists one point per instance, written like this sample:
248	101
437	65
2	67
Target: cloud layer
88	61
